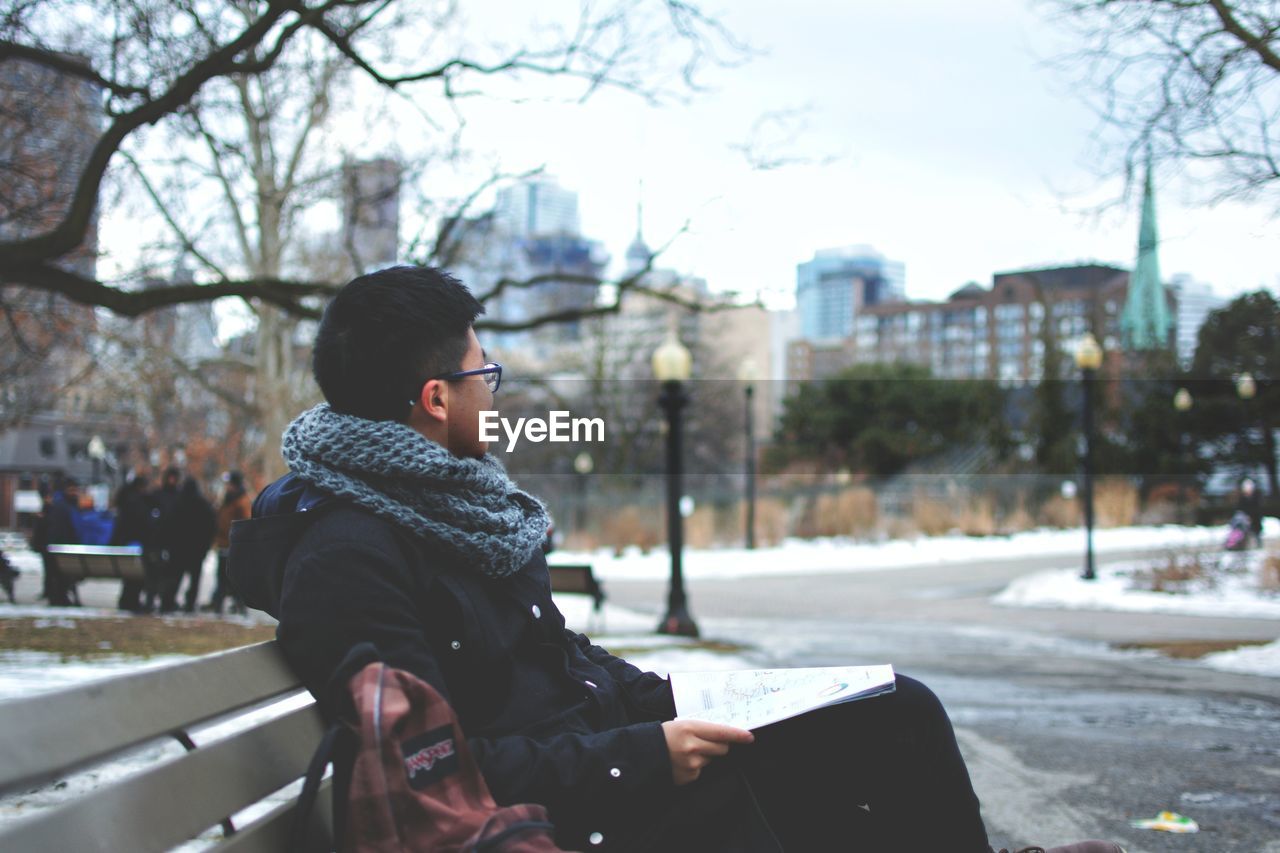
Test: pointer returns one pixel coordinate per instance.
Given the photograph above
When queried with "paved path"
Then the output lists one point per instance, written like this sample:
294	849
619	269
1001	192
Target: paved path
1066	738
957	594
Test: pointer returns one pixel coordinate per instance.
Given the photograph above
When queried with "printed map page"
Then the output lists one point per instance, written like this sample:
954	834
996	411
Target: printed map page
751	698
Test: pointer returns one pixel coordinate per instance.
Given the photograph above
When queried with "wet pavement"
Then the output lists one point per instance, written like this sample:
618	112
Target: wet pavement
1066	737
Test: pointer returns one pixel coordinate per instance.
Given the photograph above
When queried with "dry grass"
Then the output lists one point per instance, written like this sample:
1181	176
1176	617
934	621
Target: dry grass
1018	520
700	528
1060	512
1115	503
143	636
851	512
1190	649
974	515
633	525
1269	574
1178	571
773	521
931	517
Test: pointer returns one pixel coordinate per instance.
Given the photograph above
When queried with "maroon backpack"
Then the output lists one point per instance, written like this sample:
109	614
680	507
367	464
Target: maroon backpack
414	784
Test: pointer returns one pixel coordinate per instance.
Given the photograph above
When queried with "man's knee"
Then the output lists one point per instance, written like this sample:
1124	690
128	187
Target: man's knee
916	695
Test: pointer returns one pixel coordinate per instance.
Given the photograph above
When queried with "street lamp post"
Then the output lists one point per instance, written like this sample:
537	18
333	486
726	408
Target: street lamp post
1182	402
748	374
1088	359
672	366
97	452
1246	390
583	465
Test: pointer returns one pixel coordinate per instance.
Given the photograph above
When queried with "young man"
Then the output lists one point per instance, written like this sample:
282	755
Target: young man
396	528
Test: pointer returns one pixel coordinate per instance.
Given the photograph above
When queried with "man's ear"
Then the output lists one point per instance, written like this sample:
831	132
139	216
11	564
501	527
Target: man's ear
434	400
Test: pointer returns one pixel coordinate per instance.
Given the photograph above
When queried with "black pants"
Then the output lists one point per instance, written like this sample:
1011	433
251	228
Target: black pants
895	755
56	589
222	589
868	776
188	566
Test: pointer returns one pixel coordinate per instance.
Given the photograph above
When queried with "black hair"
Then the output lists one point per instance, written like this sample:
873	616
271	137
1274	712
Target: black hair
385	334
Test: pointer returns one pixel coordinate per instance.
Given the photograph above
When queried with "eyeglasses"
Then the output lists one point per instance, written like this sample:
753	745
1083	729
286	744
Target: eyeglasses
492	373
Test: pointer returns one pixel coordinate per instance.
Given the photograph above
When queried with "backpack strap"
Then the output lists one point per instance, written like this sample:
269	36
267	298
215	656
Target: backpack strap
337	737
337	746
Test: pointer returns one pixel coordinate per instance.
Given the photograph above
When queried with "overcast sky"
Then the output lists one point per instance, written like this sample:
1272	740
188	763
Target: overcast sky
955	149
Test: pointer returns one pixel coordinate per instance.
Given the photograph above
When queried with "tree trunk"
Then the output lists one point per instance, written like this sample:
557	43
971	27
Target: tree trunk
273	383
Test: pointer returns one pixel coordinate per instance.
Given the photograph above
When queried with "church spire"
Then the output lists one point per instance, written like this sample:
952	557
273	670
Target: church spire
638	254
1145	322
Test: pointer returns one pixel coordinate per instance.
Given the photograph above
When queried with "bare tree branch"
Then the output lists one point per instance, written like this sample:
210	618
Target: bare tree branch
1188	81
184	239
70	65
285	294
70	232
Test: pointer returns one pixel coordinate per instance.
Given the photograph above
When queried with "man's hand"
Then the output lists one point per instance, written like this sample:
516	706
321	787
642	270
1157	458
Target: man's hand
693	743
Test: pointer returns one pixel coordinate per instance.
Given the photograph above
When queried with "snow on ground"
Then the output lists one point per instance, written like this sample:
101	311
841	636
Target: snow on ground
1233	595
838	555
1258	660
1231	591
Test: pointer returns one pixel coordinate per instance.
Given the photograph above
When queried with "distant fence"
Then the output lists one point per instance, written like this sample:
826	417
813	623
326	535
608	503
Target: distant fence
617	511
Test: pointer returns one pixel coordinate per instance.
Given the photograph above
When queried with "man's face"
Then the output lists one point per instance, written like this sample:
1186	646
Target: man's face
468	397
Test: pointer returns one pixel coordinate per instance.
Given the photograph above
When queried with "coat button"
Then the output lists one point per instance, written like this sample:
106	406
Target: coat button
455	645
595	838
590	684
615	772
537	612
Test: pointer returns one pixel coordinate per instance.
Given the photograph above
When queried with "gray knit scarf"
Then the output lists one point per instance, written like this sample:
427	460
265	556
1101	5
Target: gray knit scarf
467	506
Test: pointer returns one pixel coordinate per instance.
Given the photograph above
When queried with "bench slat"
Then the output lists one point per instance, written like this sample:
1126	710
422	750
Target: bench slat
80	562
55	732
270	833
175	801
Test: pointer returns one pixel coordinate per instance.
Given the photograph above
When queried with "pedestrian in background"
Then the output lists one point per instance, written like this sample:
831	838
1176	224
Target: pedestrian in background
235	507
157	551
194	525
39	539
61	531
132	527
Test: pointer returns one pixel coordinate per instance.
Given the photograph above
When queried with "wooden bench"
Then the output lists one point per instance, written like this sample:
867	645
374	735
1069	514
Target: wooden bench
80	562
214	741
578	578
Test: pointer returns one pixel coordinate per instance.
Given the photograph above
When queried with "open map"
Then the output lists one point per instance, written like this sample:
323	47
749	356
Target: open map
751	698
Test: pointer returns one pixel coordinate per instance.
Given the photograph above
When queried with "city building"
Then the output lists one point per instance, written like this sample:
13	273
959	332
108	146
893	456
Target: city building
371	213
837	283
523	278
536	207
998	333
1195	300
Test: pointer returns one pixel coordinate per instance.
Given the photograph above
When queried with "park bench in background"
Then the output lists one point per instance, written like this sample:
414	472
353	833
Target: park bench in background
177	797
80	562
578	578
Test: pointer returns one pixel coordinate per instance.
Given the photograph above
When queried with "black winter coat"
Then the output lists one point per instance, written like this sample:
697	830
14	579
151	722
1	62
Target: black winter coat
133	519
551	718
195	522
